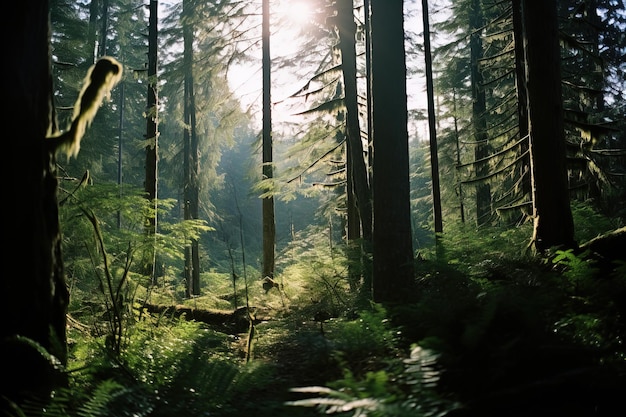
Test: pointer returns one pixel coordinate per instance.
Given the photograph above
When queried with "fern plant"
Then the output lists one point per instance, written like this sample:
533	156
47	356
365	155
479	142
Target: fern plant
410	392
578	270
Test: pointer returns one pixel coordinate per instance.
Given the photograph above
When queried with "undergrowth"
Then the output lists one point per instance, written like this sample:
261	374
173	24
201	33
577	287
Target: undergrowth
490	330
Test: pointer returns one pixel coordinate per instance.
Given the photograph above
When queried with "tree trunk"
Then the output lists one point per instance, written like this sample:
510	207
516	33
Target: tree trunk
192	165
432	127
120	148
188	266
479	113
368	81
522	99
152	137
347	32
102	47
553	224
269	226
392	241
33	290
93	30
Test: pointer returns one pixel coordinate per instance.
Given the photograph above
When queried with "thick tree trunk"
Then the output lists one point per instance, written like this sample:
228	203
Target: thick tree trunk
34	295
392	239
554	225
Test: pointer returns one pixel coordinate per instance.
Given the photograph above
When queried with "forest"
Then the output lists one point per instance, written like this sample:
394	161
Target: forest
366	208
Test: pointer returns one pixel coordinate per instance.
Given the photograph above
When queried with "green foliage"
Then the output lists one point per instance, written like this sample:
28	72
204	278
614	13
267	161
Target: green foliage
103	234
175	368
578	269
464	246
366	339
321	271
407	391
490	321
589	222
592	311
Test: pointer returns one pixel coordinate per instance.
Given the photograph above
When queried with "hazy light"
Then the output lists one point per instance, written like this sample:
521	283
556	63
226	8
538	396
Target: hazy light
298	12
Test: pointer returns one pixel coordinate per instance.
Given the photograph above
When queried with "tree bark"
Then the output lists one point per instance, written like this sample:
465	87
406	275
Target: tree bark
152	138
479	114
33	290
432	126
392	241
522	99
553	224
269	225
102	47
192	165
347	32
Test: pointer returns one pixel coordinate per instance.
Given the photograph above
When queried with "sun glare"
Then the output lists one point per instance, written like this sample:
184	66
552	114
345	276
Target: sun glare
298	12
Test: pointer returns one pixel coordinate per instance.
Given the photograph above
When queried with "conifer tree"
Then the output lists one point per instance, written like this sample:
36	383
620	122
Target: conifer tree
392	241
269	225
33	333
152	138
553	223
190	153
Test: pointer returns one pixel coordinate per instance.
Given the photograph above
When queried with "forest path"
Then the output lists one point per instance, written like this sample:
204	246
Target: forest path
297	354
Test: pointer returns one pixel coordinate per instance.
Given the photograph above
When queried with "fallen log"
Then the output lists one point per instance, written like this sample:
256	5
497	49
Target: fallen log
229	321
608	247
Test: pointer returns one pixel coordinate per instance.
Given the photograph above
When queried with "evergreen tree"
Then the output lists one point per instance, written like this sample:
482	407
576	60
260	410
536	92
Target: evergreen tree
392	241
269	225
553	224
190	153
152	138
593	50
357	170
479	112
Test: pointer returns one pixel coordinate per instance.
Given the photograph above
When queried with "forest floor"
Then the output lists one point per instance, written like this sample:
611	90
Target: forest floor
518	344
297	354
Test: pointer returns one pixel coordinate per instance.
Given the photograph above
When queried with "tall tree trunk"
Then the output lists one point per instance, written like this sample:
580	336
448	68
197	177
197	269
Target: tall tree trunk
368	81
94	11
553	224
359	192
522	99
353	220
191	164
393	267
358	170
102	47
458	157
188	266
479	113
269	226
152	136
432	127
120	143
33	293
